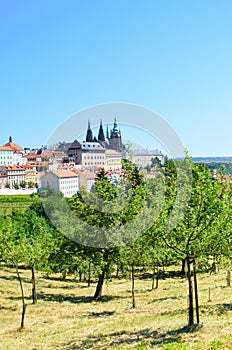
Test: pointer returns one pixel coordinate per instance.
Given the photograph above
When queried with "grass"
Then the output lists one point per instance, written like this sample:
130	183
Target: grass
66	316
18	202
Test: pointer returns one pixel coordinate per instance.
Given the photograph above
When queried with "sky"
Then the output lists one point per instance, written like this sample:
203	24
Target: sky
173	57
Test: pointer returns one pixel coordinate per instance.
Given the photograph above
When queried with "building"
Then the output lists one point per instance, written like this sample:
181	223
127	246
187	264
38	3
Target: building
64	181
92	154
113	140
30	175
53	156
13	146
16	174
113	160
74	152
12	154
3	181
143	157
6	155
19	158
86	179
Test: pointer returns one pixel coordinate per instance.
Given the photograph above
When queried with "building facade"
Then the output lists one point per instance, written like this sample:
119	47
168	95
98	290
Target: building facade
113	160
6	155
64	181
16	174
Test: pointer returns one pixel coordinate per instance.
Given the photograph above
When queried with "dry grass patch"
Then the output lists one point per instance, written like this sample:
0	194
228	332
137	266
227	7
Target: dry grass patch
66	316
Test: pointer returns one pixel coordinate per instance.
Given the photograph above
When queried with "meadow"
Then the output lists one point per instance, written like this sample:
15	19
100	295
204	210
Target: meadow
67	317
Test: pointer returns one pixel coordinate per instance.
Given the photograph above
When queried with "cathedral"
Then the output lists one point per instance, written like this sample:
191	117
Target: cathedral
113	140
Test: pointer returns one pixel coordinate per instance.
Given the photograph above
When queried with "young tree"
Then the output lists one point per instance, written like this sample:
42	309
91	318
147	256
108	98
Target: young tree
11	253
107	211
188	239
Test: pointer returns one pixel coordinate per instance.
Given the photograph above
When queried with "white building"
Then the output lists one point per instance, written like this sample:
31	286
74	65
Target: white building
15	174
93	154
6	155
64	181
143	157
18	158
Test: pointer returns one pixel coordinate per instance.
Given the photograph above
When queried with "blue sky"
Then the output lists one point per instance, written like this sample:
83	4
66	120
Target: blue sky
171	56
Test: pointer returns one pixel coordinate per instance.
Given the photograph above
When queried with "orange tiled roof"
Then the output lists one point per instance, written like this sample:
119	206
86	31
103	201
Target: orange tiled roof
64	173
5	148
86	173
13	167
32	156
111	152
49	154
13	146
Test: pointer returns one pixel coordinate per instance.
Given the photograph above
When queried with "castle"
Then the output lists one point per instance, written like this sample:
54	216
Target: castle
111	141
97	152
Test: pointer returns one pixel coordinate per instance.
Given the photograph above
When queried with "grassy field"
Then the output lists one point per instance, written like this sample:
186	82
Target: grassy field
19	202
66	317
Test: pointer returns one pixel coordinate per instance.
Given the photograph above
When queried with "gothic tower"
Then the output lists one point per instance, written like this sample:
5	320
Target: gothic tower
89	135
115	139
101	136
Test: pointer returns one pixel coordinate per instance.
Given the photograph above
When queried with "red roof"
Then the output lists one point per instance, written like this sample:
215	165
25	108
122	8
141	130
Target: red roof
13	146
5	148
64	173
28	166
49	154
86	173
32	156
13	167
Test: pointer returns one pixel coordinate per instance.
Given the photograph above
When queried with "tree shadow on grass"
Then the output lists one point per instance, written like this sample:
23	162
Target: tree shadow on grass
108	341
100	314
224	307
11	308
215	309
14	278
165	299
74	299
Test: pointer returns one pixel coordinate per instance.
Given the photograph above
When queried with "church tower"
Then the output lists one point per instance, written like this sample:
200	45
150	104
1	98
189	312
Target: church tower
115	139
89	135
101	136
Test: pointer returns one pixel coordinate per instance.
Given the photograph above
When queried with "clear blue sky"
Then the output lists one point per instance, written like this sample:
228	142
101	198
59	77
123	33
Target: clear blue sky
171	56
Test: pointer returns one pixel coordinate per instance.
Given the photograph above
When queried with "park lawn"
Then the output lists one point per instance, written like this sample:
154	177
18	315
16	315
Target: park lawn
67	318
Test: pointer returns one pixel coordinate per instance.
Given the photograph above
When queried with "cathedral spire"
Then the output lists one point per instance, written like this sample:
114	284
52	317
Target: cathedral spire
115	128
107	132
89	134
115	122
101	136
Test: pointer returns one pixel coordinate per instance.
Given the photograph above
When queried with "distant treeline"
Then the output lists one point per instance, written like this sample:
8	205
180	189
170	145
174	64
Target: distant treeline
224	167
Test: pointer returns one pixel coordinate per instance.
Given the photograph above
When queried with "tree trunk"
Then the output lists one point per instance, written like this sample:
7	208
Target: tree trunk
153	277
183	267
23	298
89	274
190	306
34	294
228	278
133	286
157	277
80	276
196	292
98	292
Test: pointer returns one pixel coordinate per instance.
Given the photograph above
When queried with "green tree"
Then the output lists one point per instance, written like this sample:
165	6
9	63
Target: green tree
106	211
11	253
188	239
